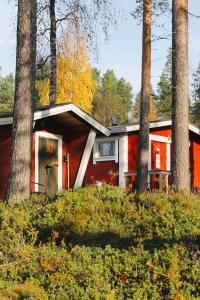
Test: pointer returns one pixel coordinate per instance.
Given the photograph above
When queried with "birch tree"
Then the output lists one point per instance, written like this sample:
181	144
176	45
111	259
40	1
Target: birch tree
86	17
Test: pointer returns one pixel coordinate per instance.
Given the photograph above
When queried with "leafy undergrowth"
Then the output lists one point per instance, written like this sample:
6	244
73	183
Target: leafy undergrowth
101	244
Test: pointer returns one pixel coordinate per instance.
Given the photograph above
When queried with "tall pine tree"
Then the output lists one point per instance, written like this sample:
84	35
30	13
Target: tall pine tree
180	97
164	90
21	150
113	97
195	103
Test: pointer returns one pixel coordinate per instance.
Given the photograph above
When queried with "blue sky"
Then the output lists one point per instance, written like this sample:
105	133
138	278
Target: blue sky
122	54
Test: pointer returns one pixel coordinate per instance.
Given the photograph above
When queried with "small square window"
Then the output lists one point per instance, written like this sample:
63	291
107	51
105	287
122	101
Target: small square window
106	149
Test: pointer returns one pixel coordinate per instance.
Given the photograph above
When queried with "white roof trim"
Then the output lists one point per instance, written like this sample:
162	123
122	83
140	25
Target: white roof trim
6	121
128	128
61	109
194	129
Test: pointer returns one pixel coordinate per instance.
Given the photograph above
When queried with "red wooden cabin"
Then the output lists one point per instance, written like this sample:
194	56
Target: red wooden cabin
115	157
62	143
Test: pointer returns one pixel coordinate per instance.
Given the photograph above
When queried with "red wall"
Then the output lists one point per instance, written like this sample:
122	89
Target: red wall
195	159
133	152
74	141
5	144
76	144
106	171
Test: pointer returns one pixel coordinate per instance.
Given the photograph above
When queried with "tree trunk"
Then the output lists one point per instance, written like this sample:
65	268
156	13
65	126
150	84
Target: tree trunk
143	151
180	97
21	149
53	63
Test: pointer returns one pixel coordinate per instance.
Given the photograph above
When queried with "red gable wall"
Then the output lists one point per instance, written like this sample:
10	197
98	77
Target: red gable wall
74	142
5	144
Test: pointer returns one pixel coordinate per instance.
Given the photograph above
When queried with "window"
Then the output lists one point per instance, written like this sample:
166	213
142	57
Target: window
105	149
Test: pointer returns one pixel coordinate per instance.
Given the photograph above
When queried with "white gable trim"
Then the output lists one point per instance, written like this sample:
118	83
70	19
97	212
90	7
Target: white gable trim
61	109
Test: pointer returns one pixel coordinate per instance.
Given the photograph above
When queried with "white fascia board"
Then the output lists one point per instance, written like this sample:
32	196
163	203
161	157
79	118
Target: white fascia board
117	128
6	121
129	128
151	125
194	129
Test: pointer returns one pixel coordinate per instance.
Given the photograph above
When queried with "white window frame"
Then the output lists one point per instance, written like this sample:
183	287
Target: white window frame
96	158
45	134
162	139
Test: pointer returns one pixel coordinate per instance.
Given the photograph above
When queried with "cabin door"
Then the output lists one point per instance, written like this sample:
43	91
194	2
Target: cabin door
48	165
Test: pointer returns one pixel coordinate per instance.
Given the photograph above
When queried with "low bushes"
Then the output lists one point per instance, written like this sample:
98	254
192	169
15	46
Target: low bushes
101	244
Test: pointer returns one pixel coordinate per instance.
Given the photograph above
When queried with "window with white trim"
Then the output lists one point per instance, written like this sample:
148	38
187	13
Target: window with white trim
105	149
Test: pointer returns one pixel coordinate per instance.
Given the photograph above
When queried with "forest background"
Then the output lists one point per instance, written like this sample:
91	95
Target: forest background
123	57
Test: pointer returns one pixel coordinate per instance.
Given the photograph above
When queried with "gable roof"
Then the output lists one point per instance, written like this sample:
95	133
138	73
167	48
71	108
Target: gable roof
48	111
155	124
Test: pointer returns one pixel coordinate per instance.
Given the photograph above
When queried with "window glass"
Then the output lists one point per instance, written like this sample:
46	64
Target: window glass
106	149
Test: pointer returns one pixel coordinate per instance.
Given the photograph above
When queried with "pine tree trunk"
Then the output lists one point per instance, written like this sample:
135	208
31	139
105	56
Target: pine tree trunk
53	63
143	151
180	97
20	158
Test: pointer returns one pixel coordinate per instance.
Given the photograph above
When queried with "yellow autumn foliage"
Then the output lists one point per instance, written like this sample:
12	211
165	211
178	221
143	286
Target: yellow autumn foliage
75	82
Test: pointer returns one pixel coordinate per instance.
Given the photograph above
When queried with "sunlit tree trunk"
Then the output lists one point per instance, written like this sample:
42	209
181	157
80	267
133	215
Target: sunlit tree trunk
143	151
180	96
20	159
53	63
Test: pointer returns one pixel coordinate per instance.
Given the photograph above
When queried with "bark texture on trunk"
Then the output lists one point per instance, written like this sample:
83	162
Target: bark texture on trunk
143	151
53	63
20	158
180	97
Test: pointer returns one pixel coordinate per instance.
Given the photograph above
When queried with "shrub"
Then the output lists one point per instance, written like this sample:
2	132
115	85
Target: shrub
101	243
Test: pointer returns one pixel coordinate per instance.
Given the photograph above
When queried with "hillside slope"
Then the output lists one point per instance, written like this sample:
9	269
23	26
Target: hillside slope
101	244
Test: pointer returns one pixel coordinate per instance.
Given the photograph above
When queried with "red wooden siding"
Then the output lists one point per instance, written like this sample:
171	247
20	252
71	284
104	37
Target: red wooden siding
158	148
5	144
105	171
162	132
76	145
74	141
195	159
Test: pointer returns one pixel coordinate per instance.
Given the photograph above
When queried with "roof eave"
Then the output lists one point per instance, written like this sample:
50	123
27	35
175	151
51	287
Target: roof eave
61	109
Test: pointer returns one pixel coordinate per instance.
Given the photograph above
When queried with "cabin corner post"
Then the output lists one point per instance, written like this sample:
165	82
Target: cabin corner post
123	158
85	159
